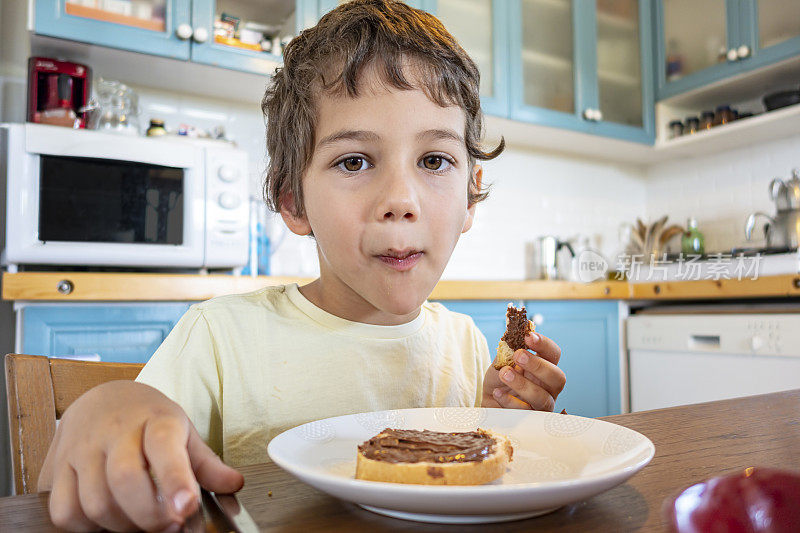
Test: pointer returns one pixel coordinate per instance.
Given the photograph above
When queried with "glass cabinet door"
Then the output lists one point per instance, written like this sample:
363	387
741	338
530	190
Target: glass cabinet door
146	14
158	27
244	35
547	58
479	27
619	72
695	35
778	21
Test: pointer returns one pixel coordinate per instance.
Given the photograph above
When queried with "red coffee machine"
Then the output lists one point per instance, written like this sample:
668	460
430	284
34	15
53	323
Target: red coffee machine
57	90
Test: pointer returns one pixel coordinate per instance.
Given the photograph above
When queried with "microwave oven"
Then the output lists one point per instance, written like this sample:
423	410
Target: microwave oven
78	197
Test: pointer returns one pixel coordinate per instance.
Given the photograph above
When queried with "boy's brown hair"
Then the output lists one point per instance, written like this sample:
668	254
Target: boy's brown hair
361	33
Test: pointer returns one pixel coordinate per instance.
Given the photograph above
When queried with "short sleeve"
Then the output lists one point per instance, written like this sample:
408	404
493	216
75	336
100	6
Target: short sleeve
185	368
482	361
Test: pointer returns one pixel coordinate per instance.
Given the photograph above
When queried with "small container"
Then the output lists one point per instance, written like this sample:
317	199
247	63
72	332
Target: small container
692	242
706	120
723	115
156	128
675	129
692	125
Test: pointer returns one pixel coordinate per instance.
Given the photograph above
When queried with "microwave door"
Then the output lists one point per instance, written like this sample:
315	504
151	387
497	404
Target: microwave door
110	212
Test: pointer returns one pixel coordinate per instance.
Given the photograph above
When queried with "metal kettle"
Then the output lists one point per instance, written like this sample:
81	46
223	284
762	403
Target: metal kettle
783	229
786	194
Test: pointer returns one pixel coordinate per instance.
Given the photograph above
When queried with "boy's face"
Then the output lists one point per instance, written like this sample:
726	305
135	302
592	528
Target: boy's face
385	195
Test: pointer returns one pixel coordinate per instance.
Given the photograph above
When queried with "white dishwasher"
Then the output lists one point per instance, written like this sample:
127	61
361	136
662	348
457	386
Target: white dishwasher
677	359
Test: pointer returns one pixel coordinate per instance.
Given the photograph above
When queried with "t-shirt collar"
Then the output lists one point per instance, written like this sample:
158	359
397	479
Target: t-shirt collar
359	329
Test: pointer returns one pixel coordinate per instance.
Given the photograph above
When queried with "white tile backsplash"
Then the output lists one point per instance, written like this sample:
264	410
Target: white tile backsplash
721	190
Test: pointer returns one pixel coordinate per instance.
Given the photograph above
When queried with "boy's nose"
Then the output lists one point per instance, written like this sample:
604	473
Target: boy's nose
398	200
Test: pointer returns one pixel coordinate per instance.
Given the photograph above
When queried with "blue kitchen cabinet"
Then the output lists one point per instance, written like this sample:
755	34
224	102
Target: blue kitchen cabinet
154	33
700	43
123	333
588	334
584	66
178	29
305	13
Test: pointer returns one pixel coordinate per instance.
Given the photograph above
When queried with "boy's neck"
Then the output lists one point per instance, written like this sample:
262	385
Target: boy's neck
350	306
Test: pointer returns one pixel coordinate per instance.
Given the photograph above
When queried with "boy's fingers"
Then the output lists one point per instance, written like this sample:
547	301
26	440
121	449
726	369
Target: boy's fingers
544	347
509	401
536	396
164	443
209	469
132	487
97	502
65	505
541	372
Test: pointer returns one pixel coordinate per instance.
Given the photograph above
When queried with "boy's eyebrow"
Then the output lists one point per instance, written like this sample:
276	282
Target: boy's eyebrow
348	135
364	135
441	134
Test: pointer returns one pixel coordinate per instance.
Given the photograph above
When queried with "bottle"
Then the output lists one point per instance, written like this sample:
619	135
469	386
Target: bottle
706	120
692	125
675	129
156	128
692	242
723	115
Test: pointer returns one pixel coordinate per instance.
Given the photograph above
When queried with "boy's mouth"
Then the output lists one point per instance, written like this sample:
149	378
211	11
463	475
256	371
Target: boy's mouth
400	260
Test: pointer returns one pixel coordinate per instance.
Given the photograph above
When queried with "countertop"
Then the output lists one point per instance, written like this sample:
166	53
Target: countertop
693	443
101	286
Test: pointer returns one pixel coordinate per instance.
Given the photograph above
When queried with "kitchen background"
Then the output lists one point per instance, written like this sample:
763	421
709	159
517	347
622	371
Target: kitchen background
568	171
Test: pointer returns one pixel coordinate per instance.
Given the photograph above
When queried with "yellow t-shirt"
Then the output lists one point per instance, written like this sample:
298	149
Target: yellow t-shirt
246	367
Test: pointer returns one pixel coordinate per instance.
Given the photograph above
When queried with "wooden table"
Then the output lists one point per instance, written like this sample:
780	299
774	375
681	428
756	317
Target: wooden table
692	443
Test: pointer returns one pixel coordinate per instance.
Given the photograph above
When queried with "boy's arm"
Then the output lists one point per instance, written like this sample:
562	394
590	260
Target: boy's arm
185	369
126	455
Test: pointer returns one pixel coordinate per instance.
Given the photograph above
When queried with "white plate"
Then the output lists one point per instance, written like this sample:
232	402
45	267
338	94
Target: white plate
558	459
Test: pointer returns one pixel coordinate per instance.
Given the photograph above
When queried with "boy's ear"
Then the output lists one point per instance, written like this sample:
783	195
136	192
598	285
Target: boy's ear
475	185
296	223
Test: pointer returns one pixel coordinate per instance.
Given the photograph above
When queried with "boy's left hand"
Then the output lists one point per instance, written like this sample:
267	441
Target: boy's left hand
534	382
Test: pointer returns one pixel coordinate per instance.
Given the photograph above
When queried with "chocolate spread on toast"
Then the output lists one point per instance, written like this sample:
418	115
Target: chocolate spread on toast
517	327
414	446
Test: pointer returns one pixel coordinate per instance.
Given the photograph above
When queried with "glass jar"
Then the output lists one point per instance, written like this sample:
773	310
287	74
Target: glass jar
723	115
675	129
706	120
156	128
692	125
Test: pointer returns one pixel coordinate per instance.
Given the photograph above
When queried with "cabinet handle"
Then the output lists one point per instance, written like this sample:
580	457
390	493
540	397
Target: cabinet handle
743	51
593	115
183	31
200	35
733	55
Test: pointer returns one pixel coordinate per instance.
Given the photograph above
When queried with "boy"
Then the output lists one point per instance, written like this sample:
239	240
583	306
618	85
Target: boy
373	130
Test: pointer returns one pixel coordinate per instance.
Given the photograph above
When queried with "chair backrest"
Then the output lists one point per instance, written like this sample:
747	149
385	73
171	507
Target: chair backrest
39	390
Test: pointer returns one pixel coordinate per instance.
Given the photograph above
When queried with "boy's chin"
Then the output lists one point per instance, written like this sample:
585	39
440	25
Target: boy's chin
401	304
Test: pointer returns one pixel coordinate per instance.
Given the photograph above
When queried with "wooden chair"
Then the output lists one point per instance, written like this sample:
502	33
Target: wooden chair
39	390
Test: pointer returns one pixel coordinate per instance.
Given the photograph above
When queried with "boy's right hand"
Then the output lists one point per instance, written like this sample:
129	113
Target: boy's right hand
107	445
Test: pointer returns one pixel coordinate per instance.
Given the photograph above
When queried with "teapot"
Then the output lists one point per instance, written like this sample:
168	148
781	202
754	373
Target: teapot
786	194
783	229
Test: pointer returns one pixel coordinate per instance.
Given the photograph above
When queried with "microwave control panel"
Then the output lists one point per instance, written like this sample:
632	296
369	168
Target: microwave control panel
227	209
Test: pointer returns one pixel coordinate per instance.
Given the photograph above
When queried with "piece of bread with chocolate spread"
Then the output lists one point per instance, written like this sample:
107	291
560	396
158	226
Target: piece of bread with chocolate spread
433	458
517	326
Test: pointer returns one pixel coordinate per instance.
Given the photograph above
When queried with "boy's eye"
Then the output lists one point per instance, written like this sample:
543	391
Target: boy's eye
435	162
353	164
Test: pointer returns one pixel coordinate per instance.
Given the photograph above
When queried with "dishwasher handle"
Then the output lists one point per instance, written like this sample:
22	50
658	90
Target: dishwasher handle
704	342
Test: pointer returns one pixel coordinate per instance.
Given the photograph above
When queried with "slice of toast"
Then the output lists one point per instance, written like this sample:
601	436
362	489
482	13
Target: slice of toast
442	471
517	327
